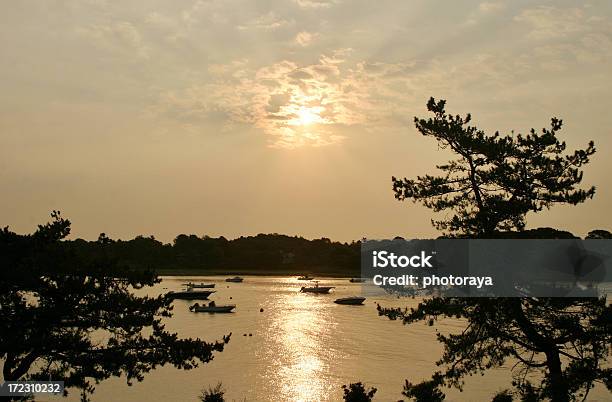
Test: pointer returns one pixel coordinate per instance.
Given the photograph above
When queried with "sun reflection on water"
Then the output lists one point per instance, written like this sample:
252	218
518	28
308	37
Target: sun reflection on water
299	332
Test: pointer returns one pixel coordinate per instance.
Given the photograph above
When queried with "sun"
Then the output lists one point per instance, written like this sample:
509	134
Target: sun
306	116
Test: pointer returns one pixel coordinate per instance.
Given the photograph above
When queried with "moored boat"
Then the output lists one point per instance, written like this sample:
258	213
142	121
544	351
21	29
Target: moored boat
305	278
199	285
190	294
352	301
212	308
236	279
316	288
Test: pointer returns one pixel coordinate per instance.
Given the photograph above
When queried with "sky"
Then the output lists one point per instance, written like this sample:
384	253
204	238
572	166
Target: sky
224	117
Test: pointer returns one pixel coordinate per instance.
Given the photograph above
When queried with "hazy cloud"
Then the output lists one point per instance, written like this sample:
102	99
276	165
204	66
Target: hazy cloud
316	3
491	7
305	38
548	22
269	21
120	37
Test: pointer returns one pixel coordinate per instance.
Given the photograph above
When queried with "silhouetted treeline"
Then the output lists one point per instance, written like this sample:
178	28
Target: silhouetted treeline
264	253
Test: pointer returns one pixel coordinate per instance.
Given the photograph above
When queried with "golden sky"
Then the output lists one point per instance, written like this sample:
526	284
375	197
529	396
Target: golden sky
232	118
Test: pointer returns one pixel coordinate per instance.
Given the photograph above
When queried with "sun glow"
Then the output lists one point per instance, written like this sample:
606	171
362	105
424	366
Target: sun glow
307	116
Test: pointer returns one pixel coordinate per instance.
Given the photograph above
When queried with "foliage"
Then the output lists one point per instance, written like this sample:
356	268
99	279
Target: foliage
537	333
494	182
503	396
213	394
273	252
77	319
356	392
599	234
496	179
426	391
529	394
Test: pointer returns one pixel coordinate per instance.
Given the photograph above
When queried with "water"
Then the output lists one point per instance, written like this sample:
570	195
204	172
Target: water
303	347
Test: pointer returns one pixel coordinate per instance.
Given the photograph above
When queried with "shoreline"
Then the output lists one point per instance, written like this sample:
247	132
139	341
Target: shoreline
254	272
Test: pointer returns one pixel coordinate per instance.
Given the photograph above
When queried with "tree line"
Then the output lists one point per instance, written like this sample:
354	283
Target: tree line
263	253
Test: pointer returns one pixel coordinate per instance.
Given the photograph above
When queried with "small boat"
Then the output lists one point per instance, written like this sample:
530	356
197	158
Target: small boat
357	280
212	308
352	301
190	294
305	278
199	285
316	288
236	279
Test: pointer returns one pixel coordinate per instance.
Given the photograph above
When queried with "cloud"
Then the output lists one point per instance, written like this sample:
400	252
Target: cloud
567	36
316	3
305	38
295	105
268	22
236	68
307	98
119	37
548	22
299	105
489	7
484	11
278	101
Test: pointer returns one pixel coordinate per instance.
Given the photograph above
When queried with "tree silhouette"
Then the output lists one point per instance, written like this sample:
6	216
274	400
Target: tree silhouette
494	182
426	391
356	392
599	234
538	334
264	253
495	179
77	320
213	394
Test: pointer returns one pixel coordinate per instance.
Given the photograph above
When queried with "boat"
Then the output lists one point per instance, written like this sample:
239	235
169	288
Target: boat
189	294
305	278
199	285
352	301
357	280
236	279
316	288
212	308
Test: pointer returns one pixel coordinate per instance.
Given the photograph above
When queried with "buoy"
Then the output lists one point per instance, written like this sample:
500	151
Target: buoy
261	310
230	297
243	334
250	334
